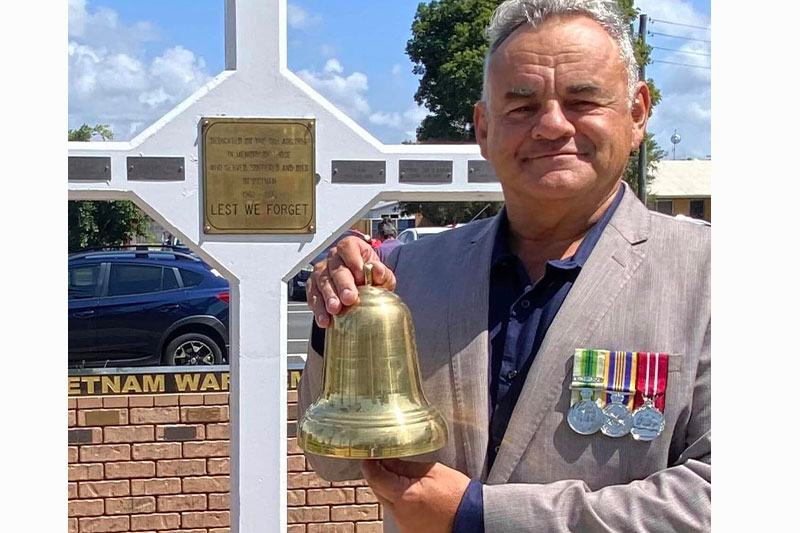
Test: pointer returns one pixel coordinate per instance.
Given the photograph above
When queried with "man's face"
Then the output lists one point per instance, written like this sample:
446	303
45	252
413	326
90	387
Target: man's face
557	124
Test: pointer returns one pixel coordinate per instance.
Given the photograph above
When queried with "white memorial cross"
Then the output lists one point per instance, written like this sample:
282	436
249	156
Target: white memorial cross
257	83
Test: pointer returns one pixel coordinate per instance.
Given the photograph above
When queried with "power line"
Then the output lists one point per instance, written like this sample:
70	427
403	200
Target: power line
680	64
677	36
681	51
681	24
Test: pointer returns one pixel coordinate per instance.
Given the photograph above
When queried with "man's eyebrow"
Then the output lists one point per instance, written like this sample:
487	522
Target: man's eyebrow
518	93
585	88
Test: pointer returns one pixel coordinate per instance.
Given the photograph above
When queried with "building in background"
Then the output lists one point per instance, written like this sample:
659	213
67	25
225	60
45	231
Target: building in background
682	187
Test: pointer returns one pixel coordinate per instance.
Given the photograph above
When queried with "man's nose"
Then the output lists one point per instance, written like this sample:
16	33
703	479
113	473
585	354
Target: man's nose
552	123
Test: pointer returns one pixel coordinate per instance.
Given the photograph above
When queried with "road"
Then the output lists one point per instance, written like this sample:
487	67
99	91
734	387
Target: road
299	330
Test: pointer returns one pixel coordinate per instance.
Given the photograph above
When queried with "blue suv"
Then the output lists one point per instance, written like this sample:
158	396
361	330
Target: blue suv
146	305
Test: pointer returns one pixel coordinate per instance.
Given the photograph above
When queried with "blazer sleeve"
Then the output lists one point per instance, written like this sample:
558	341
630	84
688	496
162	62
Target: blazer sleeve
675	499
328	468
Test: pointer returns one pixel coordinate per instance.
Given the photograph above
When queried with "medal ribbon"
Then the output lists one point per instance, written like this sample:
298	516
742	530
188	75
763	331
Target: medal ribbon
588	371
620	376
652	378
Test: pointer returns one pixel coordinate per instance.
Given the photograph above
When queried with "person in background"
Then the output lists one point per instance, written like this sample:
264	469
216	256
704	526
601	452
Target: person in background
388	234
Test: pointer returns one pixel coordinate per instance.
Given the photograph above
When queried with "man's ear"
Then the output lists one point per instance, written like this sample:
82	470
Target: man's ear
480	118
640	112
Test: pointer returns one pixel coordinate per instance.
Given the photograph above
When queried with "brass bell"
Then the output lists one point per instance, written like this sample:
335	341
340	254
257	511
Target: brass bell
371	405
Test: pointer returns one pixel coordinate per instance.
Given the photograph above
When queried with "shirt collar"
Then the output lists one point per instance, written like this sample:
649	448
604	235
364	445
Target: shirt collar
502	250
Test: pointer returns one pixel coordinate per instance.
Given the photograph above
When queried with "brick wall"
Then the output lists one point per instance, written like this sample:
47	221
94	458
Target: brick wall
161	463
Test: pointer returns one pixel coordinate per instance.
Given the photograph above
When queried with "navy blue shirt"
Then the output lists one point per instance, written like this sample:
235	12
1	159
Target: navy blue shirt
520	313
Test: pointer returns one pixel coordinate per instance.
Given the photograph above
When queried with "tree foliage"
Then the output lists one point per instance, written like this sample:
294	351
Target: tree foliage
91	223
448	213
448	45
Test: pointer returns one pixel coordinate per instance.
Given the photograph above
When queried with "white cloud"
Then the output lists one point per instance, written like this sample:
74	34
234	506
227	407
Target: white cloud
327	50
405	122
112	82
300	19
347	92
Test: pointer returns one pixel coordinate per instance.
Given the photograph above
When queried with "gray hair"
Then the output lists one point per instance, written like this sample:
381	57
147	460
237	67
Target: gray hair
512	14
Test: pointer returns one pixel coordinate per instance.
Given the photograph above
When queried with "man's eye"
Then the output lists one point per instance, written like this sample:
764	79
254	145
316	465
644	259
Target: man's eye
522	109
582	103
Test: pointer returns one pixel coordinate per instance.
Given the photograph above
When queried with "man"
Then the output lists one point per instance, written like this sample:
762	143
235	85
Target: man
388	234
574	261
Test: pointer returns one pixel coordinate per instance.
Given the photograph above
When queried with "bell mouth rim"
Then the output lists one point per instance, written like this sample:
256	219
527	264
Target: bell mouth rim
433	447
421	414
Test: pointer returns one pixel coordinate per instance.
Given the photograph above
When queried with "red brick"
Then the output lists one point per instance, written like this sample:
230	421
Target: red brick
305	480
296	463
80	472
206	519
365	495
76	435
85	508
199	433
155	486
72	454
216	398
155	521
131	505
351	483
292	448
206	484
291	412
220	530
103	489
218	431
296	528
72	403
108	452
72	525
206	449
72	421
181	467
291	396
354	513
103	417
190	399
341	527
128	434
115	401
72	491
103	524
140	401
183	502
219	466
90	403
329	496
155	415
369	527
165	400
308	514
296	498
130	469
219	501
205	414
159	450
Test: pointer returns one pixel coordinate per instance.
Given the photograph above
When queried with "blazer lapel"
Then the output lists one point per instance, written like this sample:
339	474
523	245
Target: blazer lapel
467	321
612	263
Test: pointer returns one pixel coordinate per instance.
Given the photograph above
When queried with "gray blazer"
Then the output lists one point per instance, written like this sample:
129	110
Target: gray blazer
645	287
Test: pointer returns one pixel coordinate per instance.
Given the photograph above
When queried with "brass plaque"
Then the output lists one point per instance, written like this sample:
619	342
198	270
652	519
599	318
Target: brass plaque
480	171
424	171
258	175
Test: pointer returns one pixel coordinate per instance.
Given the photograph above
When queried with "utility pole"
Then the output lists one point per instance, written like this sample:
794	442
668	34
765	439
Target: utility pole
643	146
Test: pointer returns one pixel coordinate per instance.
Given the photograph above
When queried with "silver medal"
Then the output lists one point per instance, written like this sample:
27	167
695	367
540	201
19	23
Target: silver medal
648	422
618	418
585	417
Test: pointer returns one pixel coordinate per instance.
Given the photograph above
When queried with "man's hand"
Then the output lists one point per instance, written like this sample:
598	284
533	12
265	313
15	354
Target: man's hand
422	497
332	286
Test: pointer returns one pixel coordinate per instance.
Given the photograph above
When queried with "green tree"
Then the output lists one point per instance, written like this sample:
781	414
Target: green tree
448	45
91	223
447	213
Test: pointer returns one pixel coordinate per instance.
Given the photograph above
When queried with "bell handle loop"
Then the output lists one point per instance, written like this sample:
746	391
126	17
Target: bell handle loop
368	273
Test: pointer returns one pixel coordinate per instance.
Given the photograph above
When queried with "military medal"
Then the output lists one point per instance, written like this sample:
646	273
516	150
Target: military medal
588	369
648	420
620	381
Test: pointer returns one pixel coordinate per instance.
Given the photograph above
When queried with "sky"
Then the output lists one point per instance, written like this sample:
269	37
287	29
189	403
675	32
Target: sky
131	61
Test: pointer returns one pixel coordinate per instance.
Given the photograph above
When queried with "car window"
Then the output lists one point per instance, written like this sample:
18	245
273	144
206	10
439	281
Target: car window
170	281
134	279
83	281
190	278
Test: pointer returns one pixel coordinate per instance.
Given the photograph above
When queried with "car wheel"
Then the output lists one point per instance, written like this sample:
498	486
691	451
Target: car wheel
192	349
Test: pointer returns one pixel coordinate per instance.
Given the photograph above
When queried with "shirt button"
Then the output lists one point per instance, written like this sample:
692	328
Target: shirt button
525	304
511	374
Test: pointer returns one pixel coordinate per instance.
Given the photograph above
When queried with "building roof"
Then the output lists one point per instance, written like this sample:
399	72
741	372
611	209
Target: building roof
682	179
